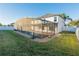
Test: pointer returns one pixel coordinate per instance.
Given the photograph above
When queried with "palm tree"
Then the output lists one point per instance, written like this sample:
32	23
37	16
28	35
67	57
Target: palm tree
64	17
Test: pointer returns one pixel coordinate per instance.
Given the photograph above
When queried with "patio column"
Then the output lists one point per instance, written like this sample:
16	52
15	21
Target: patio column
49	28
33	31
54	28
41	30
21	28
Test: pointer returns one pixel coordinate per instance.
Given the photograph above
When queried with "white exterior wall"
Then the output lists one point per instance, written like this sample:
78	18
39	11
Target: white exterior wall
61	24
77	33
51	19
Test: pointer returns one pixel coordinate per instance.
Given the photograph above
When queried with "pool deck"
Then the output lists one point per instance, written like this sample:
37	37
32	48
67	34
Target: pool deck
46	39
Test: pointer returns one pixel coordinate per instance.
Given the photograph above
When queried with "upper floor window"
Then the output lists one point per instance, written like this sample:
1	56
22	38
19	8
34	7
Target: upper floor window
55	19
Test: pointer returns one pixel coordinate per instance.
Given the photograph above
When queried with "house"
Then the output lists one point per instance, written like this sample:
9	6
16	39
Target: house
56	19
48	24
77	32
67	21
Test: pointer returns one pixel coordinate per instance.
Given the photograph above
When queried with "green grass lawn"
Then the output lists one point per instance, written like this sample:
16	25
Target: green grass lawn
14	44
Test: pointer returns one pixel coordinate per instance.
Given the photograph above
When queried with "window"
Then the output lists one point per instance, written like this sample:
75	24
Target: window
55	19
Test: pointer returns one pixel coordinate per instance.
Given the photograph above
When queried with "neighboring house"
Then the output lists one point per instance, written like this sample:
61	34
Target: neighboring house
77	32
67	27
67	21
48	24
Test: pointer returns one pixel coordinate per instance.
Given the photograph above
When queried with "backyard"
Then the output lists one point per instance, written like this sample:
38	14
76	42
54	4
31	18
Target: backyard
15	44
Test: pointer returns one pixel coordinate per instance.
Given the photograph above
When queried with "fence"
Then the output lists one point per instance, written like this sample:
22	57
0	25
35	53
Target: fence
6	28
70	28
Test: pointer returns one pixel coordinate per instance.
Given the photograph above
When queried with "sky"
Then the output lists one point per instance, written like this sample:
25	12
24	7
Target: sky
10	12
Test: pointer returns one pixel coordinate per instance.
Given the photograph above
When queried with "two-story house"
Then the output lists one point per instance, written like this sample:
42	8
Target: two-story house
47	24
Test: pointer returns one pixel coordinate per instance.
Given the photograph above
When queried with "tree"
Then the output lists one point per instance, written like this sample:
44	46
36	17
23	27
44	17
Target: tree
74	23
12	24
0	24
64	16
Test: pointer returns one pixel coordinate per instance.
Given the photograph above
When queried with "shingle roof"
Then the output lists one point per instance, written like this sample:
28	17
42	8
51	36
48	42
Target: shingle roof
49	15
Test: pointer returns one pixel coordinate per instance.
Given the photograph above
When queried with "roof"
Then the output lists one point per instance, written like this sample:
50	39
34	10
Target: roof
49	15
45	16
